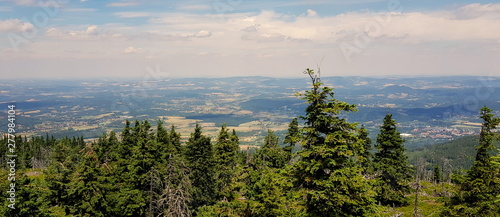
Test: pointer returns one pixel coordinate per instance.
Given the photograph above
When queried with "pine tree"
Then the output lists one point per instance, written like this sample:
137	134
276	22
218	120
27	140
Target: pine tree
86	196
393	171
175	141
437	176
496	161
292	137
163	139
328	168
135	158
30	198
367	156
200	158
477	193
270	193
226	156
123	148
271	155
58	174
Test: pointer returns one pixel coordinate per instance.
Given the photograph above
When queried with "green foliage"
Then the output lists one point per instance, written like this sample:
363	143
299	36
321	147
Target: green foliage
328	167
175	141
226	157
201	161
272	194
479	189
393	172
437	174
430	203
270	154
29	198
176	190
267	184
366	157
151	173
225	209
292	137
86	196
456	154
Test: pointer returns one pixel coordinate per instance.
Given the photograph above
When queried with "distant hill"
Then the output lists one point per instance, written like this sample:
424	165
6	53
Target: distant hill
458	153
398	89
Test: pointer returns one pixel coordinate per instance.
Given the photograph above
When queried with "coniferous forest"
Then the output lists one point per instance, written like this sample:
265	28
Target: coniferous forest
324	166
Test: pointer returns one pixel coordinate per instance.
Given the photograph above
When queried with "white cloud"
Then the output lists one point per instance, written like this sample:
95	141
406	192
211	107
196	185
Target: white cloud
91	30
93	33
264	37
311	13
252	28
202	53
15	25
473	11
445	40
133	50
202	34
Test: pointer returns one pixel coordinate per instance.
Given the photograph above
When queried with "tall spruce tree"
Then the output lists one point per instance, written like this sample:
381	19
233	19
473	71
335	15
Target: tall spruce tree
200	158
86	193
226	157
163	138
328	167
292	137
393	171
437	175
175	141
271	155
477	193
366	161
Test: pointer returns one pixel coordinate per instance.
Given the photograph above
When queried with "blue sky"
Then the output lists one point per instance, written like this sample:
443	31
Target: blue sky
221	38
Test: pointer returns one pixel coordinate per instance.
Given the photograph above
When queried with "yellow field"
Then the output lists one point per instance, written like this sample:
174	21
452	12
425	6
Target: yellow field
98	116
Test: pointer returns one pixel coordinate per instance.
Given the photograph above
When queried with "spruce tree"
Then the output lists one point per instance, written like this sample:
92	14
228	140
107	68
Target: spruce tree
200	158
477	193
123	148
367	156
293	135
163	139
226	156
175	141
328	167
271	155
64	160
437	176
31	198
86	196
393	171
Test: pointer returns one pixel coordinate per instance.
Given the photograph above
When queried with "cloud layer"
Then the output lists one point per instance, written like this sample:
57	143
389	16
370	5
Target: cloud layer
458	40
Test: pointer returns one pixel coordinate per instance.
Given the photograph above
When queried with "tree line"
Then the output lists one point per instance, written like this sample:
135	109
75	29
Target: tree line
147	172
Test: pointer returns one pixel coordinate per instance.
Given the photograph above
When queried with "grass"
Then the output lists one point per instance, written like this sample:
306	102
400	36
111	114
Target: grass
430	201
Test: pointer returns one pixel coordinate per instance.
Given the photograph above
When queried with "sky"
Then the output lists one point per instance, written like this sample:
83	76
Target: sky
64	39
